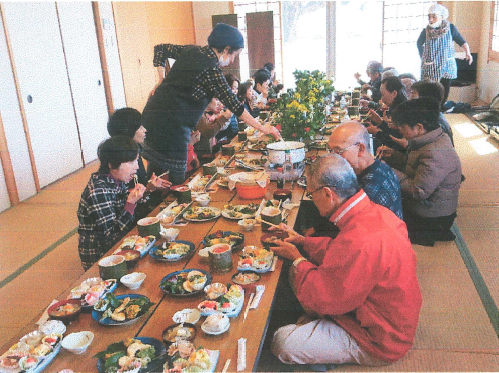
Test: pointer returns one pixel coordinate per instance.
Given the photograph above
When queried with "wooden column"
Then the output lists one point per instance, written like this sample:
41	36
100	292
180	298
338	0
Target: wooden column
260	39
8	170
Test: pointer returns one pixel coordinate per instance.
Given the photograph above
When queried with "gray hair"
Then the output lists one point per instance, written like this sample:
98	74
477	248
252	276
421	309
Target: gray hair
335	172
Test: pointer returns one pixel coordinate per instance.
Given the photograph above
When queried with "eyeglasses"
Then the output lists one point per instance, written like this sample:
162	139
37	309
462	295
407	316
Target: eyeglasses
209	113
335	151
310	194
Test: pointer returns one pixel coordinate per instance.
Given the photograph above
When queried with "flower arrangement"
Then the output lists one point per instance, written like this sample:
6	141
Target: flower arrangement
300	113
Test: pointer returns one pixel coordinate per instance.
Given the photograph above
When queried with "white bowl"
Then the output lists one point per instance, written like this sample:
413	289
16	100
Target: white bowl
247	224
133	280
188	315
169	234
203	201
77	343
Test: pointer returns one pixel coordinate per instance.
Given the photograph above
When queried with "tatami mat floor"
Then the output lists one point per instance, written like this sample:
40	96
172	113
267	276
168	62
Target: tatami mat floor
455	332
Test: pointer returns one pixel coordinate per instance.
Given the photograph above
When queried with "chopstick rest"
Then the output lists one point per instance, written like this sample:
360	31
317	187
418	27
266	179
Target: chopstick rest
241	354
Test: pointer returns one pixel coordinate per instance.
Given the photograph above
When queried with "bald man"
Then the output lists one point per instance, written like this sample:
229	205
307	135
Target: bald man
377	179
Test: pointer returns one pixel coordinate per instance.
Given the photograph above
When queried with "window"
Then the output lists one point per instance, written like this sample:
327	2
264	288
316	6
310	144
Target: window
241	8
494	32
403	21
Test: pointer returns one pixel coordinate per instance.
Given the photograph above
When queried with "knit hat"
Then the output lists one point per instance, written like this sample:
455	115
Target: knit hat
224	35
124	122
440	10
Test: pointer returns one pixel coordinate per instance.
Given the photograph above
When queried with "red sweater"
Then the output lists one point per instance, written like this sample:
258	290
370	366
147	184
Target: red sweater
365	279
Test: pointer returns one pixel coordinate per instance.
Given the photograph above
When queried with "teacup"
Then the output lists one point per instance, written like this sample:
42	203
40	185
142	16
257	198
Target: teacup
149	226
272	215
242	136
353	110
228	149
209	169
220	257
113	266
182	193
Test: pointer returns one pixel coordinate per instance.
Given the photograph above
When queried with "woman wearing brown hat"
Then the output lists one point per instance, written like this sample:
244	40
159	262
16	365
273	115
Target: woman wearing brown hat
180	98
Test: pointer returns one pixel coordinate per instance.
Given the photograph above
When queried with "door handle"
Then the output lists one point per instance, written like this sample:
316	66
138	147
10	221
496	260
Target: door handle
30	99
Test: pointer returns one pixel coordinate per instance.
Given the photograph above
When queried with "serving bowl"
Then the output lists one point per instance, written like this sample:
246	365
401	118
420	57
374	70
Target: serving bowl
66	311
247	224
133	280
203	201
131	257
77	343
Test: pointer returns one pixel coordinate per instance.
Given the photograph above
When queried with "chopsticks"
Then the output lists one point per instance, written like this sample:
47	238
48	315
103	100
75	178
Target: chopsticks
266	222
226	366
248	306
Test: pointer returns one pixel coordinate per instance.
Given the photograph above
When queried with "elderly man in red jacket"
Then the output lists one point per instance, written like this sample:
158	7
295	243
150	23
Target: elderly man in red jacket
360	290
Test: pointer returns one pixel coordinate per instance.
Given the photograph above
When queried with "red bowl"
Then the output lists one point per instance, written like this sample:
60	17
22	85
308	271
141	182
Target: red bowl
65	317
250	191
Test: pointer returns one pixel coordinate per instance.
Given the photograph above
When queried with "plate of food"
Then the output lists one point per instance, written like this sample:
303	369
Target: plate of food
174	209
186	282
318	144
172	251
139	354
200	183
121	310
246	279
229	302
252	164
255	259
141	244
237	212
181	331
215	324
185	357
200	214
91	290
223	182
32	353
235	239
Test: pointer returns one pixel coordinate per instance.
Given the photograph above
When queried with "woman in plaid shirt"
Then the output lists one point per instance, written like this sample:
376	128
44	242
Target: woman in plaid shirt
106	206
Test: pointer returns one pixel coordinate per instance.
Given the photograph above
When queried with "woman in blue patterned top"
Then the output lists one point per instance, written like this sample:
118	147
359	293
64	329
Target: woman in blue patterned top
436	48
106	208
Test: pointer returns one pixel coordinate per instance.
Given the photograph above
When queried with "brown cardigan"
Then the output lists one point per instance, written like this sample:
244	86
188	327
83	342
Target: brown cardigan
431	176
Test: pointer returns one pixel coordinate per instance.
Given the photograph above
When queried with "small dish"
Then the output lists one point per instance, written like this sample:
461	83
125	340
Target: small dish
77	343
204	252
131	257
187	315
175	332
133	280
215	290
52	326
247	224
169	234
216	324
203	201
65	311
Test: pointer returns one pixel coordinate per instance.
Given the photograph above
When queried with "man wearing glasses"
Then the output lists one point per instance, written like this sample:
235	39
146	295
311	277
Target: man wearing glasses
360	291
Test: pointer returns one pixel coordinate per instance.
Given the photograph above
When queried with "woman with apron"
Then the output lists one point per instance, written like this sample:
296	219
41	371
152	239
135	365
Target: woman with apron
436	48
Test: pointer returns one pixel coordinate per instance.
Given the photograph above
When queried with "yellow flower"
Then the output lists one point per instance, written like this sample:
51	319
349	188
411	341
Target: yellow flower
297	96
292	116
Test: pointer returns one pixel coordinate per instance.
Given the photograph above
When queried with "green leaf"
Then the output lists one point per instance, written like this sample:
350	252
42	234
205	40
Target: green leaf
113	360
111	349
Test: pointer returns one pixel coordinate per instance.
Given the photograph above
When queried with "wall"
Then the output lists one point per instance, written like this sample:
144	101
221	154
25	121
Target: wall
488	72
203	10
467	16
140	26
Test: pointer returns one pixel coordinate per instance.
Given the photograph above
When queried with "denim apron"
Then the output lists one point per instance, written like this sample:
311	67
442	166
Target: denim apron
439	58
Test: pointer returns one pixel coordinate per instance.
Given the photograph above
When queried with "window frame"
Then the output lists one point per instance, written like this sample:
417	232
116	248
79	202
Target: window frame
493	55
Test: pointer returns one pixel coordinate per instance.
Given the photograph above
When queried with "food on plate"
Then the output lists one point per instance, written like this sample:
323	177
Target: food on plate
318	144
127	355
187	315
222	161
256	258
216	323
65	310
234	239
33	339
10	362
52	340
240	211
245	278
201	183
184	282
124	309
172	250
186	358
28	363
182	331
170	213
201	213
223	182
136	243
42	350
226	302
215	290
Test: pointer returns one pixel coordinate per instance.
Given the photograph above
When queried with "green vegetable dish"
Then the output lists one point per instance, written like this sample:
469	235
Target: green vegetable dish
126	355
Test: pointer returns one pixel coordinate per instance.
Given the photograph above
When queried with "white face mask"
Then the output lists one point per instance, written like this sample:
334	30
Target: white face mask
436	24
222	62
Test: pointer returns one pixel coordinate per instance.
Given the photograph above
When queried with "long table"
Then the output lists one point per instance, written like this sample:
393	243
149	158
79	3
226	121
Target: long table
160	315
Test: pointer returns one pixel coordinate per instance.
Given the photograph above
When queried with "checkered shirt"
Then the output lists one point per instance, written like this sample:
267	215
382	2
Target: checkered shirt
439	58
102	217
382	186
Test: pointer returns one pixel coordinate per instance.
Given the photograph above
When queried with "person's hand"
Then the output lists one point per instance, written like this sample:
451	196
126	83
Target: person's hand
159	183
227	114
402	142
356	76
286	250
195	163
384	152
366	86
293	237
373	130
271	130
136	193
364	103
469	58
374	117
